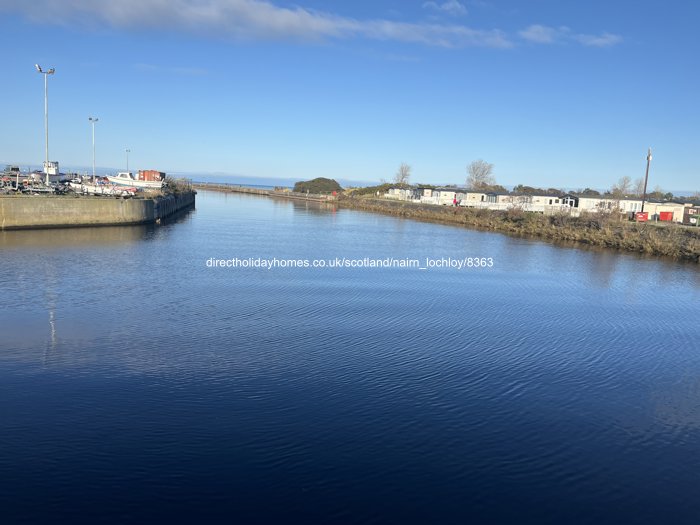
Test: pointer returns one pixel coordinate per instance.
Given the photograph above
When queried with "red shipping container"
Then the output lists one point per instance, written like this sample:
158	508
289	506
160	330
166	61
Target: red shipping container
151	175
642	216
666	216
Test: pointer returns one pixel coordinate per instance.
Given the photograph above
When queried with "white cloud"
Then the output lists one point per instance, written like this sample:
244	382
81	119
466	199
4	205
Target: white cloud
604	40
262	19
451	7
249	19
540	34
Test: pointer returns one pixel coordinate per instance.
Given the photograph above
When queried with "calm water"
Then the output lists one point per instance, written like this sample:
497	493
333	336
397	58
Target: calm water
139	385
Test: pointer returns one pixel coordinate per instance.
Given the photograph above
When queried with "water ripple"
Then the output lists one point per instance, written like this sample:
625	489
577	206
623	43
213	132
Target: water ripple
560	386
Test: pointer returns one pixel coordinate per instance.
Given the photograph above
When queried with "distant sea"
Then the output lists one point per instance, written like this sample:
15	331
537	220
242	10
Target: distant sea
254	182
262	182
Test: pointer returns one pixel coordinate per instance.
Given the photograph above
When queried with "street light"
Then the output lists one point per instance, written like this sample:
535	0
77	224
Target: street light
127	159
46	114
93	120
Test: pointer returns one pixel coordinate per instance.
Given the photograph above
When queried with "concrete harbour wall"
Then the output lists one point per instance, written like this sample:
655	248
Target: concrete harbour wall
39	211
282	194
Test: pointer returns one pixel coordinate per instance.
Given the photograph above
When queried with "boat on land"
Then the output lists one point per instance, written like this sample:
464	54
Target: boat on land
36	188
101	187
124	178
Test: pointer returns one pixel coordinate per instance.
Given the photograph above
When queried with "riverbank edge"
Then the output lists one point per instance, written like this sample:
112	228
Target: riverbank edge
597	230
677	242
46	212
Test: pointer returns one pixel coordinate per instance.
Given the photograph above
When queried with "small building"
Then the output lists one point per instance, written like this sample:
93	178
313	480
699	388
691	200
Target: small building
472	198
392	193
632	205
150	175
405	194
597	204
444	196
665	210
570	200
396	194
691	215
51	168
552	200
421	192
495	197
460	195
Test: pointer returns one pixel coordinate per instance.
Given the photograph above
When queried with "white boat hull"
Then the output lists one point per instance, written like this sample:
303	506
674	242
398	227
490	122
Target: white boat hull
103	189
141	184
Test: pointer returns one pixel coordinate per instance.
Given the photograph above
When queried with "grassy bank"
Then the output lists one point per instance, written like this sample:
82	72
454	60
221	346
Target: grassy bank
669	240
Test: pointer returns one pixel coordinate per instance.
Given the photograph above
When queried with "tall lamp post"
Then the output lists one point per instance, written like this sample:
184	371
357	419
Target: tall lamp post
46	114
646	178
93	120
127	159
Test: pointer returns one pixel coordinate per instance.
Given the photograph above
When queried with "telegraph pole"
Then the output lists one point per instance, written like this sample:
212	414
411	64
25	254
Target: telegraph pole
646	179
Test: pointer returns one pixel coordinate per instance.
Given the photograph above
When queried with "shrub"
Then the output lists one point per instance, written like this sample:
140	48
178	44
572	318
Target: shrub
318	185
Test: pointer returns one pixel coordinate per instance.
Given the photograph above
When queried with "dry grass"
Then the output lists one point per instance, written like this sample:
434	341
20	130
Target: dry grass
671	240
175	186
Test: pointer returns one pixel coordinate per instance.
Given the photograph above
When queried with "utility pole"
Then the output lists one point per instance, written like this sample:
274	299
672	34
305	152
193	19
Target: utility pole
646	179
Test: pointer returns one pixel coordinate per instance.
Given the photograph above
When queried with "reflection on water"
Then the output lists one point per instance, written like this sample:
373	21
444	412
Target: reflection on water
63	238
318	208
51	298
558	386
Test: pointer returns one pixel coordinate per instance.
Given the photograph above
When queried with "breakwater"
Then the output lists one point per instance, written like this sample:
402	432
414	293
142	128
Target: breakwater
668	240
276	193
39	211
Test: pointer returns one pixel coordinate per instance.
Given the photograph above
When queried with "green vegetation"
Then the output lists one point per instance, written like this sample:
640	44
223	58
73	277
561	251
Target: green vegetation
588	192
529	190
372	190
319	185
493	188
174	186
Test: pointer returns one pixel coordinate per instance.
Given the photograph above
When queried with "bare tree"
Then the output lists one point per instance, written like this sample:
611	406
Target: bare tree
403	174
658	193
623	187
480	175
638	186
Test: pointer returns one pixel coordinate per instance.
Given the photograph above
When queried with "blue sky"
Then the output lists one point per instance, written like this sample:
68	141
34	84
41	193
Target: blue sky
556	93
